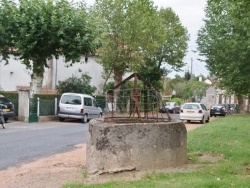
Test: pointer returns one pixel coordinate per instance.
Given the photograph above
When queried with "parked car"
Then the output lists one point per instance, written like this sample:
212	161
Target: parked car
194	112
8	108
230	108
171	107
218	110
78	106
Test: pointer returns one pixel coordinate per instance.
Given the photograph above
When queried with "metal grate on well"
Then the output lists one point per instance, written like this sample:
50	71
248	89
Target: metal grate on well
134	105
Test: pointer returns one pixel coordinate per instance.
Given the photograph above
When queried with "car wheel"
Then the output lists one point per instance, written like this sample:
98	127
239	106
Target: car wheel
61	119
100	115
203	120
85	118
188	121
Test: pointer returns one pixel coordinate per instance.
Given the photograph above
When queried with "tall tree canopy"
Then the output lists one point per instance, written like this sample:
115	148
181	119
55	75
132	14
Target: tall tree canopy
37	30
224	42
169	53
137	37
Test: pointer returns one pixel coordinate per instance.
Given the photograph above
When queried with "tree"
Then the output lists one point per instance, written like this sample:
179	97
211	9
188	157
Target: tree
137	37
224	42
170	51
187	75
36	30
195	90
76	85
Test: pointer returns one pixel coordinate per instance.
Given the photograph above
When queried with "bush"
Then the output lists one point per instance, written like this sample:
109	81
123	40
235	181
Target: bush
178	100
10	95
76	85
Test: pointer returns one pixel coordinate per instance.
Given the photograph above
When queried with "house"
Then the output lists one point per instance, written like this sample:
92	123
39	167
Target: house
219	96
15	75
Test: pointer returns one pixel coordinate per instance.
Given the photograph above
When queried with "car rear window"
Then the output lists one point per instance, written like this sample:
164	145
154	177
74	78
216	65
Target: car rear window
218	106
71	99
191	106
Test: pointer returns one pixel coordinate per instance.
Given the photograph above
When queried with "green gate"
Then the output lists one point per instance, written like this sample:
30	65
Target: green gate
33	110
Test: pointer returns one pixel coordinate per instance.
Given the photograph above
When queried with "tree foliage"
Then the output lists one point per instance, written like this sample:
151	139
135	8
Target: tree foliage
137	37
36	30
170	52
224	42
195	90
187	89
76	85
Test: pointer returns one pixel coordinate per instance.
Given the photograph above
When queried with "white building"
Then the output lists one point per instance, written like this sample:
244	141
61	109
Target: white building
15	74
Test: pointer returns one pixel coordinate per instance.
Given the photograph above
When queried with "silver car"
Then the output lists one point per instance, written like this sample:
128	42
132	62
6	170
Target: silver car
78	106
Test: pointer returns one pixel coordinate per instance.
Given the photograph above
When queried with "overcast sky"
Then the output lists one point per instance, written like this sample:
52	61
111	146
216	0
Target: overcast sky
191	14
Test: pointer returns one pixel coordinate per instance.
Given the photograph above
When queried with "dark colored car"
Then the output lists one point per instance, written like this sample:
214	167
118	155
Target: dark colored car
231	108
171	107
218	110
7	107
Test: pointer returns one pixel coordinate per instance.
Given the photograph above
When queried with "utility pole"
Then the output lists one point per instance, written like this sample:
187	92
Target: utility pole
191	68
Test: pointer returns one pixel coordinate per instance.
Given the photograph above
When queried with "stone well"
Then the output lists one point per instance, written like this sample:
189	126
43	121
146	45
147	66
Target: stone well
113	147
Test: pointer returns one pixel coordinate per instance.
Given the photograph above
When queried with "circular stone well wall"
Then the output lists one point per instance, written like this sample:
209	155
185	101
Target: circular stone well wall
135	146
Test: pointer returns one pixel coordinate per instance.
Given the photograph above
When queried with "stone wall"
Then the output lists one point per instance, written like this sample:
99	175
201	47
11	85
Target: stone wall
135	146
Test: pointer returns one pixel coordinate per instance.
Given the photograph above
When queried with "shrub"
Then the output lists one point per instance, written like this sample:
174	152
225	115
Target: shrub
76	85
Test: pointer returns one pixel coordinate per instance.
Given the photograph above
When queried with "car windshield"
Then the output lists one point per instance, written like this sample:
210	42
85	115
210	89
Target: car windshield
218	106
170	104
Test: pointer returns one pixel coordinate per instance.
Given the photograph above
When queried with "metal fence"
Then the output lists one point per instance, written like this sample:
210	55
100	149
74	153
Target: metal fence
47	107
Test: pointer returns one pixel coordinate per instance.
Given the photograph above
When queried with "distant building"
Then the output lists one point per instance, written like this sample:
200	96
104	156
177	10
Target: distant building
218	96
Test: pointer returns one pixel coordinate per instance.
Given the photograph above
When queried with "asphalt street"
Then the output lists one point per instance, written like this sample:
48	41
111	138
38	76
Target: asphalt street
25	142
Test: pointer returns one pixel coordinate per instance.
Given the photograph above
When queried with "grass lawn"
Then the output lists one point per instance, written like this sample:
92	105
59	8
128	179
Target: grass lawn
220	149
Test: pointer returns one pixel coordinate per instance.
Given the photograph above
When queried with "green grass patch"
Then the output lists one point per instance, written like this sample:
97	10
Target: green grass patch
226	141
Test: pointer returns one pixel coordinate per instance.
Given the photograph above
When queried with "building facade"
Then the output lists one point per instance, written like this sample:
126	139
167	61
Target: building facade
15	75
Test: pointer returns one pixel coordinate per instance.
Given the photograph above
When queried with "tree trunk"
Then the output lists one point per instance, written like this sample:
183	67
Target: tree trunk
49	83
241	104
118	78
37	76
248	104
36	83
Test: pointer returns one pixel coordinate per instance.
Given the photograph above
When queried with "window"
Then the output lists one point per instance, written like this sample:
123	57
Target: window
87	101
191	106
70	99
94	103
203	107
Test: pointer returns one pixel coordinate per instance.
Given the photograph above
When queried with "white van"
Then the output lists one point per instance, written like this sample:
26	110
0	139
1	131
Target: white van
78	106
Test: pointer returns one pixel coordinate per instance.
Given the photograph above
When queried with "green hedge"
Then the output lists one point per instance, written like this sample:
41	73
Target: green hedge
101	101
9	95
48	96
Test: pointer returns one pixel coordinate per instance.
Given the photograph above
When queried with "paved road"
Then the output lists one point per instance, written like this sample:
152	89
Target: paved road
25	142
